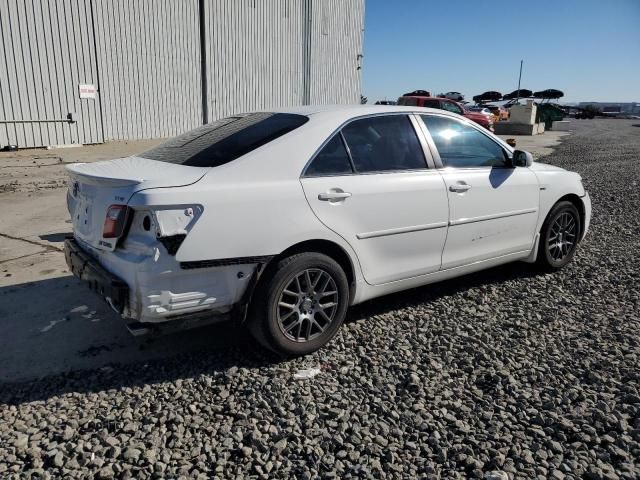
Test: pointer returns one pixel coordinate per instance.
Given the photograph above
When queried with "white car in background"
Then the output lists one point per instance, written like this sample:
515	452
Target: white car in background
479	109
283	219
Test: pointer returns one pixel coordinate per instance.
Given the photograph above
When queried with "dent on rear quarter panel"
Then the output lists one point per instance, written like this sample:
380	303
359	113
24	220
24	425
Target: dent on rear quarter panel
176	220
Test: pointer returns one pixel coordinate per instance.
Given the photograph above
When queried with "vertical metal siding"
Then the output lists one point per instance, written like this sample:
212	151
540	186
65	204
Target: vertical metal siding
149	63
47	51
270	53
336	42
253	54
144	56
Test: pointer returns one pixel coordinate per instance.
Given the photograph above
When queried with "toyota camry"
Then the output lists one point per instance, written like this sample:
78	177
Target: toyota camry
283	219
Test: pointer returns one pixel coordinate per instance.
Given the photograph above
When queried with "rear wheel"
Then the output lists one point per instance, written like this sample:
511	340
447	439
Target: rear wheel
300	304
559	236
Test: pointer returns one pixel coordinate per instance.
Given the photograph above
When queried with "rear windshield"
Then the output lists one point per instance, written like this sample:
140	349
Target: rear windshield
225	140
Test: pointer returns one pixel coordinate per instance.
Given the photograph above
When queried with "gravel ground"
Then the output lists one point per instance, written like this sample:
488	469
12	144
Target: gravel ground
502	374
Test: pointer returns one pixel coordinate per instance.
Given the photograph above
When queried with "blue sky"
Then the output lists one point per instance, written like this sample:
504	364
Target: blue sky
589	49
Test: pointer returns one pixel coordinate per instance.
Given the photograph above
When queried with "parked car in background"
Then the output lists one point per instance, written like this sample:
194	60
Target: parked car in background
385	102
283	219
498	111
455	96
418	93
584	113
448	105
490	96
478	109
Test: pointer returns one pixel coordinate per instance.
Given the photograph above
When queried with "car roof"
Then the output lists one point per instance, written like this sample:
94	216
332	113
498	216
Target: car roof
444	99
348	111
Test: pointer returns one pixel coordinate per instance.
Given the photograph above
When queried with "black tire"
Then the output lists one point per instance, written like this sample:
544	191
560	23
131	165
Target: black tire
552	257
264	320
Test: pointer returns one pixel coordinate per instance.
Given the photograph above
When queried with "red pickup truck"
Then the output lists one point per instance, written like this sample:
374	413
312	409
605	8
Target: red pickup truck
446	104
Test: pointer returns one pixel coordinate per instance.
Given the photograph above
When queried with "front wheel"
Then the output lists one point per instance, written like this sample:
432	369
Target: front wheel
559	236
300	304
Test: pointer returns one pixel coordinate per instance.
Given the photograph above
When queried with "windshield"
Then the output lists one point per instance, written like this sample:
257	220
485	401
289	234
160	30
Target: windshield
226	139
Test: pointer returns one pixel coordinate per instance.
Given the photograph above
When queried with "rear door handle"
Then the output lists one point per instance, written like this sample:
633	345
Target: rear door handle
459	187
333	195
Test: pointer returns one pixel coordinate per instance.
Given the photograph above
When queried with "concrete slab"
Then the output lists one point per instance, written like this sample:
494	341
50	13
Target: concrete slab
41	265
538	145
35	215
11	249
56	324
512	128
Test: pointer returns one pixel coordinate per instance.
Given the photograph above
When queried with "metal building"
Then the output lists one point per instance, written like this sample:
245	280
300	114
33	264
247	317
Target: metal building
88	71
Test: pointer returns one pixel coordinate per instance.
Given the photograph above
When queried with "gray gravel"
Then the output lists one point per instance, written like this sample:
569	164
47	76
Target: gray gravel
502	374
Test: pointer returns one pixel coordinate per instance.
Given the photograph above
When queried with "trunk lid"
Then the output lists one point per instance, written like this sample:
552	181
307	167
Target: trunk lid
93	187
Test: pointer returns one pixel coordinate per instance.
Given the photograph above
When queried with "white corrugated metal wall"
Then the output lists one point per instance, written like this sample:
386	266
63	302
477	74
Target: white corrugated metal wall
259	53
145	58
254	54
46	51
336	44
149	63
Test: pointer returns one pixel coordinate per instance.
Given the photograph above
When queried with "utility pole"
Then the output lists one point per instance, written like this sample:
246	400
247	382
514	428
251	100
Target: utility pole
519	78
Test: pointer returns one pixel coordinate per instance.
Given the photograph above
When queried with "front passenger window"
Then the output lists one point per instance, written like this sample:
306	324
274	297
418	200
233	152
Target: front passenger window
462	146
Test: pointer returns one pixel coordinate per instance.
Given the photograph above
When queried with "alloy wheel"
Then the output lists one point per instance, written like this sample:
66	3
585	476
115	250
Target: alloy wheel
307	305
563	236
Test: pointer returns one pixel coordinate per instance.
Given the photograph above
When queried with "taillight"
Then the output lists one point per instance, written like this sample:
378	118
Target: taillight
115	221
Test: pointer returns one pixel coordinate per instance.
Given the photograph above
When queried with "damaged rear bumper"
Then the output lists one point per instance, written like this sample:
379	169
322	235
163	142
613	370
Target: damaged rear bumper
113	289
157	293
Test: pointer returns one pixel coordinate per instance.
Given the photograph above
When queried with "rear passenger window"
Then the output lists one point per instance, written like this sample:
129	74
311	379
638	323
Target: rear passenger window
432	104
333	159
462	146
384	143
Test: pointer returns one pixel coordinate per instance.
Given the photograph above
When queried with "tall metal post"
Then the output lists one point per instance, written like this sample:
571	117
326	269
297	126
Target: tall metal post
307	17
204	87
519	78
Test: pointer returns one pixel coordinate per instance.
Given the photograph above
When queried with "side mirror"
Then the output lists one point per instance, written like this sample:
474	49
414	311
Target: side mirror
522	159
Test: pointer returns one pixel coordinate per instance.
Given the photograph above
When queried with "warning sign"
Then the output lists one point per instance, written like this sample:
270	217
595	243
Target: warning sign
88	91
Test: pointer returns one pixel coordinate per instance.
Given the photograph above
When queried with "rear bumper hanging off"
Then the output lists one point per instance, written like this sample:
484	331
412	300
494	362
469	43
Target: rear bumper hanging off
113	289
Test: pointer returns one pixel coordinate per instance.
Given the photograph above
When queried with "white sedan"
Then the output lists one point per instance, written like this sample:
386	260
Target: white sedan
283	219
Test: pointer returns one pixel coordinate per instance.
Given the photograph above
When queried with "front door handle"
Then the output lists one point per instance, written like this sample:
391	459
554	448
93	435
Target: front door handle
459	187
333	195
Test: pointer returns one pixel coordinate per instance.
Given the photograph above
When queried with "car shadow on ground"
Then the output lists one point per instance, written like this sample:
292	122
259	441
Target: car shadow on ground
428	293
55	237
58	337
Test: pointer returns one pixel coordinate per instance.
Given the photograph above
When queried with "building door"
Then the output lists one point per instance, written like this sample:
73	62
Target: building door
49	52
